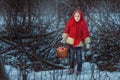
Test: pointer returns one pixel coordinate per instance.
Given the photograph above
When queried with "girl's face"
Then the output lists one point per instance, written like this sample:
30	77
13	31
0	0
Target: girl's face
77	16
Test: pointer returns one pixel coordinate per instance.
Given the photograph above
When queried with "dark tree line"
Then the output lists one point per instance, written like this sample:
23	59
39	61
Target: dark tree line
26	37
105	27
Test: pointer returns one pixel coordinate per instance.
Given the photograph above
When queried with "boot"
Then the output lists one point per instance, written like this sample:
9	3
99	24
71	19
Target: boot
71	71
77	73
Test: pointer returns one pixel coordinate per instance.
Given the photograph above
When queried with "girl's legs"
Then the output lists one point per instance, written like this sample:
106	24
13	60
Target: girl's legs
78	52
71	59
79	58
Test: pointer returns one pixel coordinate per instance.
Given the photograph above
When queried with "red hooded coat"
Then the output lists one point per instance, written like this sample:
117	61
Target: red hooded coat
76	32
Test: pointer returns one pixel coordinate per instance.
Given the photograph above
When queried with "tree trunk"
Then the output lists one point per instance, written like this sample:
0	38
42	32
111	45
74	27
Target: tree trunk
24	76
3	75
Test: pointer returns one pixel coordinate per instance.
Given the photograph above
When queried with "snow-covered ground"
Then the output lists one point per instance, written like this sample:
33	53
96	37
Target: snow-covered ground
89	72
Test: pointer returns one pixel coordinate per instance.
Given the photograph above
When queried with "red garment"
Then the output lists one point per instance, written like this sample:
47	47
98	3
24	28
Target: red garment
77	30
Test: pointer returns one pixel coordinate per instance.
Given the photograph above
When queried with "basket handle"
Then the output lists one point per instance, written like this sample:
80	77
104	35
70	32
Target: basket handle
59	44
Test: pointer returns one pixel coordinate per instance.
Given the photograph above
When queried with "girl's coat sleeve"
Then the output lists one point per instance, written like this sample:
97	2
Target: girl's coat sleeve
86	34
66	31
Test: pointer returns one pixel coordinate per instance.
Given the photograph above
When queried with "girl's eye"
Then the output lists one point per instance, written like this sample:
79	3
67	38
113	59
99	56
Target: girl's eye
77	16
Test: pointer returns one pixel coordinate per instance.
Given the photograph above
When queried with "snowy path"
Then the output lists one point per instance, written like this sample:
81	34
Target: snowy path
87	74
90	72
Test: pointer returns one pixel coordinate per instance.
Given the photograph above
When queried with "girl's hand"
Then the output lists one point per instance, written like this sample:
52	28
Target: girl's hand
62	41
87	46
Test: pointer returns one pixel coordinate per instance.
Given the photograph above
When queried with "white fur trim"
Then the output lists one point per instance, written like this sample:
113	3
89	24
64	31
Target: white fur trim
87	40
80	44
64	36
70	40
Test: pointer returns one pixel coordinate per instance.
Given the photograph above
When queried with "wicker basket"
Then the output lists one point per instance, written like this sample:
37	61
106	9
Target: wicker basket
62	52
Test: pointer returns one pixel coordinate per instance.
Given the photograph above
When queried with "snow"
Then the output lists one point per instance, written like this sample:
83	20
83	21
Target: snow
89	72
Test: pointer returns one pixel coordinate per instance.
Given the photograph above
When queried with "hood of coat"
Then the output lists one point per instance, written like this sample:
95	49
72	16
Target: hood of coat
72	20
77	30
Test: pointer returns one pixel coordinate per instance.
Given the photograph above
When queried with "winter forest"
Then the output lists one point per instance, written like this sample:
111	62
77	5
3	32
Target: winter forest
30	31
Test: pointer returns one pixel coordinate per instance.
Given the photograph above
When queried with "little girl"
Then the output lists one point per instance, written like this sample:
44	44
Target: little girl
76	34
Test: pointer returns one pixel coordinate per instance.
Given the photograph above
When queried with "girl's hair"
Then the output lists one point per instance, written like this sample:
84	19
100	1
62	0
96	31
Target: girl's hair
79	11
